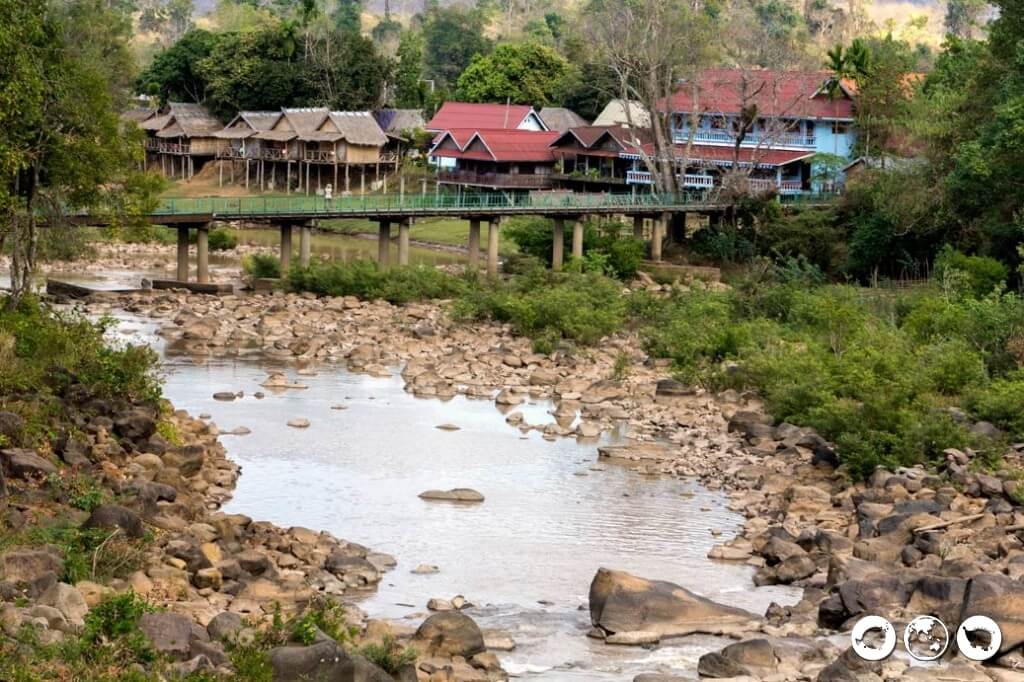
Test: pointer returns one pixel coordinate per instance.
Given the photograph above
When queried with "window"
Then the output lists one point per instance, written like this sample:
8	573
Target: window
840	127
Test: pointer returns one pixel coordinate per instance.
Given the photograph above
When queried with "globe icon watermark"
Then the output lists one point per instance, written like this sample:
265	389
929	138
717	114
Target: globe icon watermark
926	638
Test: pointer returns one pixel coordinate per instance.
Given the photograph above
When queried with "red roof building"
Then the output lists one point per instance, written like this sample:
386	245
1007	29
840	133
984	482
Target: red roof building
466	115
516	159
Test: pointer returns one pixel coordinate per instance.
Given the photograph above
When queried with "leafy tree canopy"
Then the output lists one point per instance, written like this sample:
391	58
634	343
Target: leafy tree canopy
526	73
452	37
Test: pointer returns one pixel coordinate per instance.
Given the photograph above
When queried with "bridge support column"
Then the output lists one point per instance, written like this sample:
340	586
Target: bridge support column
304	237
403	241
657	236
577	238
383	243
182	254
203	254
558	244
638	226
492	246
286	246
474	245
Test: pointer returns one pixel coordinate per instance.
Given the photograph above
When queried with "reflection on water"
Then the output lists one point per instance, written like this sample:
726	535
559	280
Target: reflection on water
525	556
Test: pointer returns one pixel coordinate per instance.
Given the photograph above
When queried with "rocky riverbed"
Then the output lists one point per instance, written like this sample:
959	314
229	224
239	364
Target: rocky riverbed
904	543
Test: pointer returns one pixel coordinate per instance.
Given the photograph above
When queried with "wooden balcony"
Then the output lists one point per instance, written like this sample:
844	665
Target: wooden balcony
231	153
756	138
319	156
508	180
173	148
152	144
272	154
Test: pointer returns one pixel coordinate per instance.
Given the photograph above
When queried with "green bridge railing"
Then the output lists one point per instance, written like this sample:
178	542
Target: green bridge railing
443	203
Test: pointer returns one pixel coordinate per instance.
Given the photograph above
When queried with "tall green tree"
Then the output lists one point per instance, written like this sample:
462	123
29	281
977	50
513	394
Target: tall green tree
410	90
964	17
348	15
62	143
344	70
452	37
526	73
174	74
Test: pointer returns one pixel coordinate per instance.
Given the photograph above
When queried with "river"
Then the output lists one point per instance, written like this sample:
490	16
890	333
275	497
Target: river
553	514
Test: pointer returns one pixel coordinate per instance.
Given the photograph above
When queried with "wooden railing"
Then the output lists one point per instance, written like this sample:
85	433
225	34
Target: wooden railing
273	154
389	157
583	177
152	144
173	148
766	140
319	155
231	153
521	180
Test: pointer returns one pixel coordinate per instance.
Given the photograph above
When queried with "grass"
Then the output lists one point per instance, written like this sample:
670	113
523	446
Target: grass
443	231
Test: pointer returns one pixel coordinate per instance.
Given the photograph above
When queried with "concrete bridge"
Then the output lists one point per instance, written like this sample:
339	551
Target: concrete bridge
403	209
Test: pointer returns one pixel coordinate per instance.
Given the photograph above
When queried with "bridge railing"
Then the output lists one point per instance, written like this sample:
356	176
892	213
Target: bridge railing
441	203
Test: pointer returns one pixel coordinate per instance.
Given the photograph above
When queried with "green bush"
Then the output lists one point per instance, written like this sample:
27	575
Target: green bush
144	233
983	274
261	266
613	254
367	280
1001	402
388	655
549	307
222	239
112	627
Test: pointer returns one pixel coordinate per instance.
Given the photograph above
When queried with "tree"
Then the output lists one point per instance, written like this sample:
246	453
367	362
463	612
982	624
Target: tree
344	70
62	144
173	74
639	42
348	15
526	73
963	17
883	96
261	69
410	90
452	36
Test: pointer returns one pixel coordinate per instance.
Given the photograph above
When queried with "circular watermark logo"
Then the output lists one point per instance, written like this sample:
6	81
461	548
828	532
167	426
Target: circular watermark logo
926	638
979	638
866	635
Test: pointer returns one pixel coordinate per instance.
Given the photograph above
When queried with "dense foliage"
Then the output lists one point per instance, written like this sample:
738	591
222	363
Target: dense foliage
366	279
524	72
606	250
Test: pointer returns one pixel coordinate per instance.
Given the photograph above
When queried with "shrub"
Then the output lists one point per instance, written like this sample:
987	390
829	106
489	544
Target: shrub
221	239
325	615
367	280
388	654
608	252
549	307
144	233
983	274
1002	403
261	266
114	624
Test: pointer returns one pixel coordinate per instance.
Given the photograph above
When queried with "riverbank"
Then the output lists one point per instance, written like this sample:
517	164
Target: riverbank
854	548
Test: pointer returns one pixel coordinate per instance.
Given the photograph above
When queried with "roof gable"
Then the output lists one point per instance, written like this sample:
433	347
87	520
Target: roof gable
484	116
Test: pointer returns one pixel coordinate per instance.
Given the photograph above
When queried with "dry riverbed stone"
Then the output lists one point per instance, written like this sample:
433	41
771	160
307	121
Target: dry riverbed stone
453	495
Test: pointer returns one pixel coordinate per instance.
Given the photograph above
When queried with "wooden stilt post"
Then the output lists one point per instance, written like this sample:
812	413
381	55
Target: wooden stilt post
220	173
638	226
247	173
362	180
558	244
347	179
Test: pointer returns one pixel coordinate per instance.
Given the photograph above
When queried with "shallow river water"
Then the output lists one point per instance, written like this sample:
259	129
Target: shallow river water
525	556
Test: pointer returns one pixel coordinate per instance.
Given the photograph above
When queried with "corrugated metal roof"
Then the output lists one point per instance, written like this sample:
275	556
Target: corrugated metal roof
502	145
785	94
479	116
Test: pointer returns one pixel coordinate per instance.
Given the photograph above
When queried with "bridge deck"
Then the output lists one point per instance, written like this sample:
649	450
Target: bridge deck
174	210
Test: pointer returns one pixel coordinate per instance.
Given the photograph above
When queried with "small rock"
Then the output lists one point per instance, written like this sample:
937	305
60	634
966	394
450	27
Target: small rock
426	569
299	423
453	495
448	427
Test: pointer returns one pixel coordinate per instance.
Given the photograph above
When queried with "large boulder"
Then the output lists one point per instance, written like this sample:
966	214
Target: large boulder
621	602
324	661
24	463
449	633
1001	598
137	425
169	633
68	601
111	516
11	425
27	566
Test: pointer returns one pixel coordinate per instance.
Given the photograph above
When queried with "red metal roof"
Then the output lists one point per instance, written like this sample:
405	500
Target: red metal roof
479	116
786	94
499	145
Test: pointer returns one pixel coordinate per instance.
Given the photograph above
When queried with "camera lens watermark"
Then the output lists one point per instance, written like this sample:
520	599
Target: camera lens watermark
926	638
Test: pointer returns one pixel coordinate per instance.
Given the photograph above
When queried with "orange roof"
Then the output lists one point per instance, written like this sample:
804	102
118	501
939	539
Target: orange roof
480	116
498	145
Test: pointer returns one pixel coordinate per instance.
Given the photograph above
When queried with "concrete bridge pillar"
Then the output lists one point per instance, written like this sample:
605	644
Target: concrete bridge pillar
286	246
203	254
383	243
492	247
577	238
638	226
558	244
182	254
403	241
305	233
474	244
657	235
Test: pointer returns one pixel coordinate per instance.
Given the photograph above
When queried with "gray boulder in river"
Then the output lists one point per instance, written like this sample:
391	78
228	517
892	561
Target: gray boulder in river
621	602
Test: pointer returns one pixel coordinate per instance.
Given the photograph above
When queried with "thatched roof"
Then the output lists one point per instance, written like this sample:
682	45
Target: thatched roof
358	128
248	123
184	119
138	115
561	119
155	122
276	135
304	120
